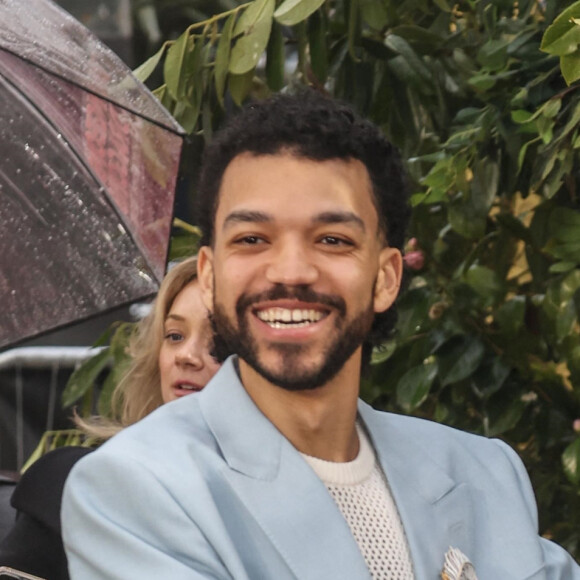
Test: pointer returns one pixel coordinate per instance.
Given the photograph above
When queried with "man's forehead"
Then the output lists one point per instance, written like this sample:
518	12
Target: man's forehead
250	167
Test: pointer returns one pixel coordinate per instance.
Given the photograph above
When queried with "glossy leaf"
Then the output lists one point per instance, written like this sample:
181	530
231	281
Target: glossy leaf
506	418
83	378
460	361
570	65
510	315
240	86
399	45
254	26
145	70
563	35
571	461
173	69
415	384
291	12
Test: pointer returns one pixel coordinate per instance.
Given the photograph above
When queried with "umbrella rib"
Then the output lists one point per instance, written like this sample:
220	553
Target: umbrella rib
22	197
180	132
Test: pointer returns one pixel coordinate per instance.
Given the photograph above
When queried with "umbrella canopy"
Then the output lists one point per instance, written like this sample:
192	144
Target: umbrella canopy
88	166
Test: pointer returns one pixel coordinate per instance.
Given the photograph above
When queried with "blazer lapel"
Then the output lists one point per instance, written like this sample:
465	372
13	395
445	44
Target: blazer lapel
278	488
431	504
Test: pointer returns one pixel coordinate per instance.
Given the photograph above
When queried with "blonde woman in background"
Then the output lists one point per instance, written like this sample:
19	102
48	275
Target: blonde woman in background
171	356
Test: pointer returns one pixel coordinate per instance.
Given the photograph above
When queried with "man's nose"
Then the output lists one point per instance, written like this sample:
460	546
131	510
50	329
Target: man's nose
292	265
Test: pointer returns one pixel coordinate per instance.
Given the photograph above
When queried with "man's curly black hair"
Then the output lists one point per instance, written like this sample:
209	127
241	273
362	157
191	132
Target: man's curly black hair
312	126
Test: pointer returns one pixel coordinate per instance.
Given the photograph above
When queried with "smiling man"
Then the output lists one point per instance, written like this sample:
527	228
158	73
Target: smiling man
277	470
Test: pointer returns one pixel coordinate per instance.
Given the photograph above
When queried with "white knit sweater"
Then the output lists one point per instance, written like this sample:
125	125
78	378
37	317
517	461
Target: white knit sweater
361	491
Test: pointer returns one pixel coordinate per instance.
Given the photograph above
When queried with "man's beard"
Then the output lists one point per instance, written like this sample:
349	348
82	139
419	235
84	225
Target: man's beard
293	375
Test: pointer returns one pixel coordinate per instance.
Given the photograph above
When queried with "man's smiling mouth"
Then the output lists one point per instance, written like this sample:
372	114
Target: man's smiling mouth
290	317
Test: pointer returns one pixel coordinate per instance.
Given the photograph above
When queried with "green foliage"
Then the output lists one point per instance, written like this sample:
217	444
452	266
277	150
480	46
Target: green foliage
481	99
91	385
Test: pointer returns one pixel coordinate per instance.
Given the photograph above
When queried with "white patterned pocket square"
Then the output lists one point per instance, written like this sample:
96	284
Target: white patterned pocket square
457	566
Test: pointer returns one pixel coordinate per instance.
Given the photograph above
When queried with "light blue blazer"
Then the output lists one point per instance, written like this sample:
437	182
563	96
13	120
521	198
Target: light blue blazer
207	487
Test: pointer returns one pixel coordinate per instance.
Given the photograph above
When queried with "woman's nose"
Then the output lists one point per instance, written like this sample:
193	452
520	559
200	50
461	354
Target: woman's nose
188	355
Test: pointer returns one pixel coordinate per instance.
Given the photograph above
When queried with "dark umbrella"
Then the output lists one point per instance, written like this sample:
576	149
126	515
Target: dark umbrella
88	165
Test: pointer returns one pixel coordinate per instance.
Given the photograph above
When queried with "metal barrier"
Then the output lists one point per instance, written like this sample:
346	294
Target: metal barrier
40	358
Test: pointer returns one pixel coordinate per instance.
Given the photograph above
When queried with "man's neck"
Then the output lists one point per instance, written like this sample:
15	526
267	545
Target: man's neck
318	422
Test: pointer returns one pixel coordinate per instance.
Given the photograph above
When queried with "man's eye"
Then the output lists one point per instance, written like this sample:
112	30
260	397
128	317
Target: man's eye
335	241
249	240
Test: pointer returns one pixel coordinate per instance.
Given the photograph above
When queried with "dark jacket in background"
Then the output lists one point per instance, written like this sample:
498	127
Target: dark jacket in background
34	544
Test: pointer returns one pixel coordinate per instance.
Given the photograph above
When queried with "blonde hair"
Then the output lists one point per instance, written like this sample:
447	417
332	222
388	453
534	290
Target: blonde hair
138	393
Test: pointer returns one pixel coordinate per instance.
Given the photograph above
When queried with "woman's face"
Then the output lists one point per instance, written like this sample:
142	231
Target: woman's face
185	362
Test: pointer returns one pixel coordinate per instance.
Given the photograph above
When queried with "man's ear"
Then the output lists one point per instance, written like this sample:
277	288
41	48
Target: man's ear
205	275
388	280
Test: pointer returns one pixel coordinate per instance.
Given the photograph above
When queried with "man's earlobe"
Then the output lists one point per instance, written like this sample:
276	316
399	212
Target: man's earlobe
205	275
388	281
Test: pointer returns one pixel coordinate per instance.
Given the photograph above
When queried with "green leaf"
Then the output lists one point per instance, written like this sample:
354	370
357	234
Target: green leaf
195	74
375	14
570	66
506	418
257	11
403	48
240	86
460	360
164	97
563	35
489	378
173	72
482	82
465	220
521	116
222	58
291	12
571	461
484	185
484	282
415	384
275	58
493	54
144	71
83	378
186	115
254	25
566	320
562	267
510	315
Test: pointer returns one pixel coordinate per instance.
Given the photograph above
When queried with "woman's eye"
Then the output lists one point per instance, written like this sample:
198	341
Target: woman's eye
173	336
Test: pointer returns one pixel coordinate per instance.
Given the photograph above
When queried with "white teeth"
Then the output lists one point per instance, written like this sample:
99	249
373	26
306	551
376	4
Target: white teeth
289	318
187	387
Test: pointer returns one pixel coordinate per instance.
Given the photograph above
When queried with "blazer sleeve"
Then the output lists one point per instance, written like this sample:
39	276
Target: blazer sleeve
119	521
559	564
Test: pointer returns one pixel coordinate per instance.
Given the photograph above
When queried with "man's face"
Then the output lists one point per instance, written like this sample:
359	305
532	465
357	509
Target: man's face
298	267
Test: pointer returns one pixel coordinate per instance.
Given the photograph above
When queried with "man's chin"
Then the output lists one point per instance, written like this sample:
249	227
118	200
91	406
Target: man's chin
291	374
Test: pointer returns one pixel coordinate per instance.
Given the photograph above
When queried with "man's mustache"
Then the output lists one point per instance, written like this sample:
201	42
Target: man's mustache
281	291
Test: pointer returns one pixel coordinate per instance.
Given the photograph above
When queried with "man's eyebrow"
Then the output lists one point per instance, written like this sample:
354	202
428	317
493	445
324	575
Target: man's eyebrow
339	217
247	216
